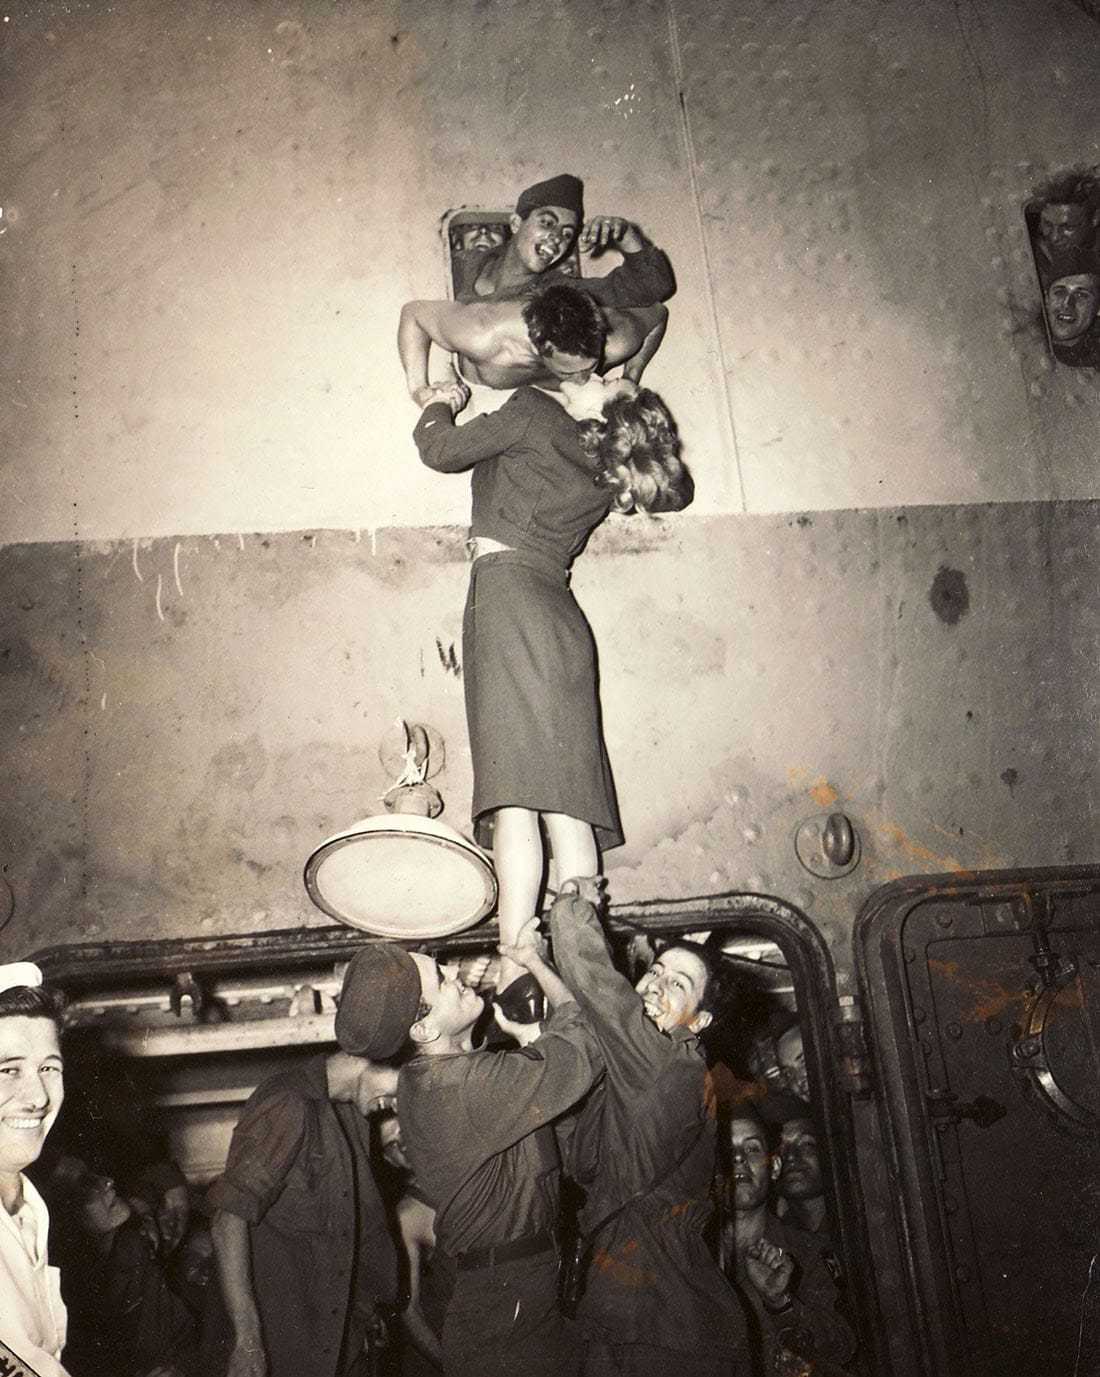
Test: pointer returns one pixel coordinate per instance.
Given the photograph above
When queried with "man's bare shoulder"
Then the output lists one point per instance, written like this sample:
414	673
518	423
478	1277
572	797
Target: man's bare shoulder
416	1219
483	313
491	313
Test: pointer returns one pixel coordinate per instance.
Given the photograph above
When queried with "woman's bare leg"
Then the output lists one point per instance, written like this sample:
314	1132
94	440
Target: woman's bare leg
517	855
573	843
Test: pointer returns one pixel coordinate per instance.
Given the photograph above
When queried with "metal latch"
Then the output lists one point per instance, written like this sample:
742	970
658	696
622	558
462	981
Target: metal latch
186	987
943	1105
854	1057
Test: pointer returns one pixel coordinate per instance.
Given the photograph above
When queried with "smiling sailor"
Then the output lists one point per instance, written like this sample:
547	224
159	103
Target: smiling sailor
547	221
32	1316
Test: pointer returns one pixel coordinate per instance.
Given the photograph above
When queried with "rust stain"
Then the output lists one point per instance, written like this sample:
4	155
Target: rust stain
823	793
723	1086
1071	996
986	855
924	854
989	857
991	998
618	1267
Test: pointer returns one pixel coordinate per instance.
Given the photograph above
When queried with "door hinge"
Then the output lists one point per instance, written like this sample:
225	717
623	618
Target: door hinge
853	1055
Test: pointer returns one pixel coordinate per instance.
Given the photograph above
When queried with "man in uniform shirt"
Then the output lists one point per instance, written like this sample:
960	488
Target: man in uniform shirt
476	1129
302	1240
643	1149
788	1275
544	228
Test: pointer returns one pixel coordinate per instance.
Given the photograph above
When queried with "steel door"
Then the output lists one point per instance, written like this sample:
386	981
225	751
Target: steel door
983	1012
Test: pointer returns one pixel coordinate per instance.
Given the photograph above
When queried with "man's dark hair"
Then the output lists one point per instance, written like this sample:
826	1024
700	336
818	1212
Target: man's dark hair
1071	263
748	1111
1074	186
722	996
566	320
726	1114
32	1001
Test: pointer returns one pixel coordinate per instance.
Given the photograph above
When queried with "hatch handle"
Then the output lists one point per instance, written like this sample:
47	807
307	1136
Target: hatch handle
945	1105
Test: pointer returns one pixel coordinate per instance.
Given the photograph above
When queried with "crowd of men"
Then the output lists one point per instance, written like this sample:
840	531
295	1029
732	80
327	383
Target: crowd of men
548	1198
446	1191
776	1245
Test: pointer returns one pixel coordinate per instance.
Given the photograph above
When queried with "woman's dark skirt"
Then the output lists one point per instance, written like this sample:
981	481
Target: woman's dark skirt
532	701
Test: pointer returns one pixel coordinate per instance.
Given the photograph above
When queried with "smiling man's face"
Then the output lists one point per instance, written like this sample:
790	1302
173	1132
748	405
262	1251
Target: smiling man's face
673	989
31	1088
543	237
1072	303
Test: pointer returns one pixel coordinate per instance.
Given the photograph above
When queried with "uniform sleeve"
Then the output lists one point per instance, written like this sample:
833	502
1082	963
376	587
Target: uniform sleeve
610	1003
265	1144
814	1326
511	1094
580	1136
448	448
641	279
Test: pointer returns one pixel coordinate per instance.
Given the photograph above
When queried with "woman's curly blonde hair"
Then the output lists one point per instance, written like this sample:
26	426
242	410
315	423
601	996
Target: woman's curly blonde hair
637	450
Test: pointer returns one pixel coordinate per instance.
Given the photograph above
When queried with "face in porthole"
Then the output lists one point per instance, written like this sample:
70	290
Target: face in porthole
546	235
481	238
1066	226
1071	306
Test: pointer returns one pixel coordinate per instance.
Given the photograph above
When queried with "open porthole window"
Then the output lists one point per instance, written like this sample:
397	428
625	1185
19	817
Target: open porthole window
1063	220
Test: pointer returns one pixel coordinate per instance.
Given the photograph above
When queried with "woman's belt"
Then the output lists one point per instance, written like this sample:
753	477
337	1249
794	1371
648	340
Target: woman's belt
533	559
542	1242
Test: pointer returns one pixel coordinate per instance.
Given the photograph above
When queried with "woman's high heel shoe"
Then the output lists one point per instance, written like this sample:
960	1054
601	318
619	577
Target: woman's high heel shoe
522	1001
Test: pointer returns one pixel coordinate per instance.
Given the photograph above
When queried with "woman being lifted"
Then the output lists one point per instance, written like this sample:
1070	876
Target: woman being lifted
548	467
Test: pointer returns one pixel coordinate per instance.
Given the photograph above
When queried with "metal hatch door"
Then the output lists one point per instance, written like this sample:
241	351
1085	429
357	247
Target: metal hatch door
983	1011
